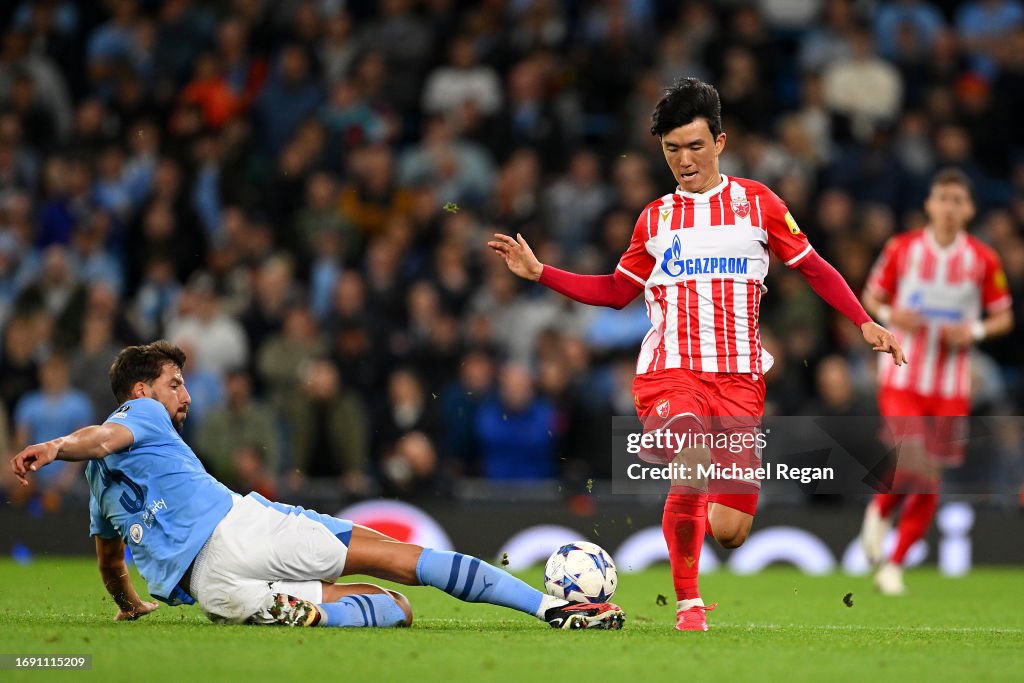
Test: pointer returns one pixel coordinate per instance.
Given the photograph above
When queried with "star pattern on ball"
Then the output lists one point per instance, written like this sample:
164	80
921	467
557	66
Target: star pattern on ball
568	585
568	548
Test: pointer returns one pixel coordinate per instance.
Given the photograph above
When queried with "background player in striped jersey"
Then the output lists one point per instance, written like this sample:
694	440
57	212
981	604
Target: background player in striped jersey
942	290
700	257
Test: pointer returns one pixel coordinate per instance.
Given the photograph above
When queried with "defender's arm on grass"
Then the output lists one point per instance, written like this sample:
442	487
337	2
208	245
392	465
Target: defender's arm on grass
117	581
87	443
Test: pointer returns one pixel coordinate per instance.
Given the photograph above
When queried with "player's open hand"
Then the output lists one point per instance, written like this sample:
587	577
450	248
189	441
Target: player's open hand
883	341
958	335
136	611
906	319
32	458
518	256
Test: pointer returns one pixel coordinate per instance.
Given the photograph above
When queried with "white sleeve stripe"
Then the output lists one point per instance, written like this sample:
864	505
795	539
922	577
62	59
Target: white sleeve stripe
643	283
999	304
791	262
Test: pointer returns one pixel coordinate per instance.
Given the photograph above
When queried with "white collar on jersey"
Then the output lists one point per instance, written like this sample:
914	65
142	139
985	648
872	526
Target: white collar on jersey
933	243
714	190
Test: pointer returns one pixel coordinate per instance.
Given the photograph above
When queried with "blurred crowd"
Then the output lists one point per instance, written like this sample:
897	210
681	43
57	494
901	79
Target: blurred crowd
299	192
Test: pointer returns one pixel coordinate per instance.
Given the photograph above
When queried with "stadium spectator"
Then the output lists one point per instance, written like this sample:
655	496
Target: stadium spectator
461	171
460	401
407	409
981	26
58	294
830	42
240	423
285	355
46	414
218	341
573	204
462	82
409	467
863	89
328	432
274	292
90	361
906	30
516	430
290	95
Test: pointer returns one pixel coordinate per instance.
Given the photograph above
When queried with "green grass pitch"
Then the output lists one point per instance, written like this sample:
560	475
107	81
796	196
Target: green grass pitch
778	625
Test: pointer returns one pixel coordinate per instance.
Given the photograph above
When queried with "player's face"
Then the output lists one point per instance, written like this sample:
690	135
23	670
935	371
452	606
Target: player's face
949	207
169	389
692	154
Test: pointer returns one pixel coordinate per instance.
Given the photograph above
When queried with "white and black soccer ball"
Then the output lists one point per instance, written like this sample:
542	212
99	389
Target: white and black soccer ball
581	572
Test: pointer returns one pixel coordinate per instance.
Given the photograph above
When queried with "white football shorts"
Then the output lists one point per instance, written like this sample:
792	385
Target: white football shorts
262	548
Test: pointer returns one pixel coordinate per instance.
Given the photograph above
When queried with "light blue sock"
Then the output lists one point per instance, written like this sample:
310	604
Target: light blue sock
375	609
473	580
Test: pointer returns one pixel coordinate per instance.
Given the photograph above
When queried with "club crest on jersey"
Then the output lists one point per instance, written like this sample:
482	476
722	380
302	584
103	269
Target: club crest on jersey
135	533
741	206
663	408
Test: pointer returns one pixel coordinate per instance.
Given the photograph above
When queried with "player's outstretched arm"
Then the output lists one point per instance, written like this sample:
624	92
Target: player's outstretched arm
87	443
615	290
830	286
117	581
518	255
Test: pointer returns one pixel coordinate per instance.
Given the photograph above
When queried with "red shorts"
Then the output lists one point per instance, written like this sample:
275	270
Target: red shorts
939	423
714	403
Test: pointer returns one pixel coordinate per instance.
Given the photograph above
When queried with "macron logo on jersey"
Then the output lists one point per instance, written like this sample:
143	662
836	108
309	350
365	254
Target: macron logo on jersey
674	265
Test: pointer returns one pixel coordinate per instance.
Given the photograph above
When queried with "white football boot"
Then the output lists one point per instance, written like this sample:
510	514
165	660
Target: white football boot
873	531
889	580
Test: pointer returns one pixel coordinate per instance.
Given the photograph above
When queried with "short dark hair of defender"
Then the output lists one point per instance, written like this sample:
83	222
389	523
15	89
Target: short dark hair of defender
142	364
688	99
953	176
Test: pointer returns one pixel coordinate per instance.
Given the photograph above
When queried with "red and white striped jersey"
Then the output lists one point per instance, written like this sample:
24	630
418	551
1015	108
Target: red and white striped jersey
944	285
702	259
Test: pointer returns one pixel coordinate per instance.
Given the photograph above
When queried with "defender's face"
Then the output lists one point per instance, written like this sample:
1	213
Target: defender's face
691	152
169	389
949	206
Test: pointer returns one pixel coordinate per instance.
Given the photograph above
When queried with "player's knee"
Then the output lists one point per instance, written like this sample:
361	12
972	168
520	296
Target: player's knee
730	533
404	603
731	538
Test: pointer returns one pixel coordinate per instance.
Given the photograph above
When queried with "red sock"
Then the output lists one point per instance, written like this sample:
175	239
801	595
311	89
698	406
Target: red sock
914	522
887	502
683	524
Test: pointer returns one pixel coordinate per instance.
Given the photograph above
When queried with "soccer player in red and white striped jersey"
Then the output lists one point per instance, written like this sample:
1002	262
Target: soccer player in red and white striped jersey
942	290
700	256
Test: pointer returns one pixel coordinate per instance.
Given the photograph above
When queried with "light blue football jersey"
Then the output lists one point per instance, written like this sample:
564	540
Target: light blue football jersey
157	496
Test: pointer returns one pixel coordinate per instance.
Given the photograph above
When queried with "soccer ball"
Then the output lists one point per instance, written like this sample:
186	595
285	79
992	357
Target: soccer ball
581	572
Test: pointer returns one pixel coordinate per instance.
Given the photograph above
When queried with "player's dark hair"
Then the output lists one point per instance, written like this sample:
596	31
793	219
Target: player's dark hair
953	176
688	99
142	363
